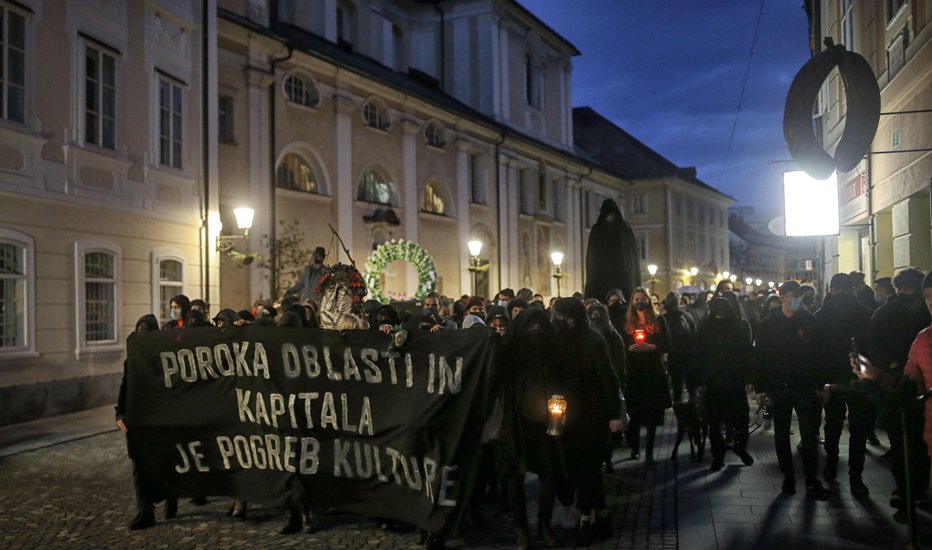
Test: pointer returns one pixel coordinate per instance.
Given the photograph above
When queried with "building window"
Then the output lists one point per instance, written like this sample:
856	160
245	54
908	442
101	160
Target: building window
542	193
642	246
12	64
301	91
99	96
639	204
170	123
16	288
376	188
346	18
375	115
476	179
433	202
97	290
532	81
225	119
559	200
435	135
296	173
893	8
524	189
848	28
171	284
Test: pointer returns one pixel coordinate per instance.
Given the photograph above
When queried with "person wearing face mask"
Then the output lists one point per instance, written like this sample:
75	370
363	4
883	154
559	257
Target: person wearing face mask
725	354
180	306
617	309
787	363
843	319
475	306
647	393
599	322
587	381
504	296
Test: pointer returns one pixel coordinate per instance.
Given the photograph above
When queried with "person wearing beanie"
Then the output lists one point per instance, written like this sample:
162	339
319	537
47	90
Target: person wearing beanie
475	305
787	370
840	320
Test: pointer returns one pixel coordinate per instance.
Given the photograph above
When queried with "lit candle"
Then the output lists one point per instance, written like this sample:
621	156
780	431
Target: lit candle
640	337
557	407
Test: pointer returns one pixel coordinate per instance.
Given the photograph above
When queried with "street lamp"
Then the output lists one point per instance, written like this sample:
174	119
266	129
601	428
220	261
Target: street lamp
732	277
652	269
726	275
244	217
557	258
475	264
770	284
758	282
748	280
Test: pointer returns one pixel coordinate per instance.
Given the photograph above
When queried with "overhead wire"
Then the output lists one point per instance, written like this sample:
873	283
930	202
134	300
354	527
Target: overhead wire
744	85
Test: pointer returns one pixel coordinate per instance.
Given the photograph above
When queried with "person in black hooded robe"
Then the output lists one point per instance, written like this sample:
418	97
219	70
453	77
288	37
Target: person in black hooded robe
599	321
612	257
586	379
528	381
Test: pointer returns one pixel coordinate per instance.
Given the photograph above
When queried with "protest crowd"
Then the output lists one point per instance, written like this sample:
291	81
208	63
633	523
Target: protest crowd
857	356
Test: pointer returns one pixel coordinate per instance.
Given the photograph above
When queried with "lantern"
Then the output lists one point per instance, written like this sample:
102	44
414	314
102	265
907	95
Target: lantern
640	337
557	407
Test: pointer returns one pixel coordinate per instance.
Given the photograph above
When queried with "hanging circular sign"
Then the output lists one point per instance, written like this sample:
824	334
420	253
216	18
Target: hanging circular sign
400	250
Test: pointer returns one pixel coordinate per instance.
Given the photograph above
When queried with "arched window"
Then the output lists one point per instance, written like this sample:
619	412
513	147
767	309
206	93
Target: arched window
301	90
376	187
375	115
433	201
296	173
435	135
97	287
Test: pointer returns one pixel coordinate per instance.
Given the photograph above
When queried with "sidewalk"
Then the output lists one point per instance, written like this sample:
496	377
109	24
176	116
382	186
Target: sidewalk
67	483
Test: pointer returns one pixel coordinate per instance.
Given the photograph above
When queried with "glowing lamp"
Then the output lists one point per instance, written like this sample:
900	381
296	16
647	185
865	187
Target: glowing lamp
556	405
640	337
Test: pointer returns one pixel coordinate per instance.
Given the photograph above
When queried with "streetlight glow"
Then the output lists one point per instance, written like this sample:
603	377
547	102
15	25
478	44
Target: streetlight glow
652	269
475	247
244	216
694	271
726	275
748	280
770	284
733	278
758	282
557	258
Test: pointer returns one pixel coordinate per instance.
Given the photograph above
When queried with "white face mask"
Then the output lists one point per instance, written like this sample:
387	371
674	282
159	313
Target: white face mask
176	314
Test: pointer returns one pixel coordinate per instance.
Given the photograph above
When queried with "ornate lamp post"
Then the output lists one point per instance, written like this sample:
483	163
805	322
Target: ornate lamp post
244	217
557	259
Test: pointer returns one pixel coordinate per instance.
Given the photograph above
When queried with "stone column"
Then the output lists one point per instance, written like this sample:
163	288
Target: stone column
505	251
343	107
260	192
410	194
462	214
512	212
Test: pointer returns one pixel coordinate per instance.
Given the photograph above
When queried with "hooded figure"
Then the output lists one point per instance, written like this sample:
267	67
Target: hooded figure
586	379
617	308
725	356
612	257
682	334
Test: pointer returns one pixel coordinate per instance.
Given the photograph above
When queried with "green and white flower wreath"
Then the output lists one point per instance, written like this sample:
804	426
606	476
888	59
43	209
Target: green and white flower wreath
395	250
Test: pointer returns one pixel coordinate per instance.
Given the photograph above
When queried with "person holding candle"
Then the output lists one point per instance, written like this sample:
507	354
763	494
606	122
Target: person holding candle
647	390
587	382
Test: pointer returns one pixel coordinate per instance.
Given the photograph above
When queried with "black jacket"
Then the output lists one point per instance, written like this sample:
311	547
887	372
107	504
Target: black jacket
725	354
786	355
893	327
841	318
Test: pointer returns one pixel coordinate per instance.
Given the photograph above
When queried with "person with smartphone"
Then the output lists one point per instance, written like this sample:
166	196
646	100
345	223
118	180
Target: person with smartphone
843	321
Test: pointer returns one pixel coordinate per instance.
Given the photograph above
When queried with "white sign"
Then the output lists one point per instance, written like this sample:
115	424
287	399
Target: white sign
810	205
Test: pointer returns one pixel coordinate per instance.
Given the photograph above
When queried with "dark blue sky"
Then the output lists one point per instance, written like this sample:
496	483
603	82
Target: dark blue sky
670	72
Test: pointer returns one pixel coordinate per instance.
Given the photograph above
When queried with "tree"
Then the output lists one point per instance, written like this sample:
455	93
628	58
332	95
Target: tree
286	256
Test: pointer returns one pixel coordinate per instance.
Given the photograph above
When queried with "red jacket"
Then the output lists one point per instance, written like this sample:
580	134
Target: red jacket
919	368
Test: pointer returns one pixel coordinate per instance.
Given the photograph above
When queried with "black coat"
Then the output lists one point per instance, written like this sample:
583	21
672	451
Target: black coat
893	327
648	391
840	319
786	355
612	257
586	379
725	355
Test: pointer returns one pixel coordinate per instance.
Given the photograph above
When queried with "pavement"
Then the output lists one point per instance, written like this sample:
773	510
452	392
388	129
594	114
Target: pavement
66	483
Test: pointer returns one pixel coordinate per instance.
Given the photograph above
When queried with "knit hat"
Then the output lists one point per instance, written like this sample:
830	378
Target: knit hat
841	281
475	301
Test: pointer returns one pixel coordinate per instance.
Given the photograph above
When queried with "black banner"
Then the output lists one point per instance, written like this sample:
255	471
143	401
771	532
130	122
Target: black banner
292	416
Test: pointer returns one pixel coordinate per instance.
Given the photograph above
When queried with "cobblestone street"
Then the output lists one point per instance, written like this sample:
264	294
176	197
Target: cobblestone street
78	494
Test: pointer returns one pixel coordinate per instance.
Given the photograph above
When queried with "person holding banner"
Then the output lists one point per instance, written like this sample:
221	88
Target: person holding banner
588	382
145	505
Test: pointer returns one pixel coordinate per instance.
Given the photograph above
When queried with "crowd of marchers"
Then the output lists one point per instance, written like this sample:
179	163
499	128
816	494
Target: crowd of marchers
857	354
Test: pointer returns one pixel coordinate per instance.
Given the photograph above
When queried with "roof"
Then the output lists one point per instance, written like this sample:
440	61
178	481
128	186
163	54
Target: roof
621	153
739	227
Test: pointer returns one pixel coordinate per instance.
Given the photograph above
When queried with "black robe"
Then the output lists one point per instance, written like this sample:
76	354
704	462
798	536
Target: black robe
612	256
